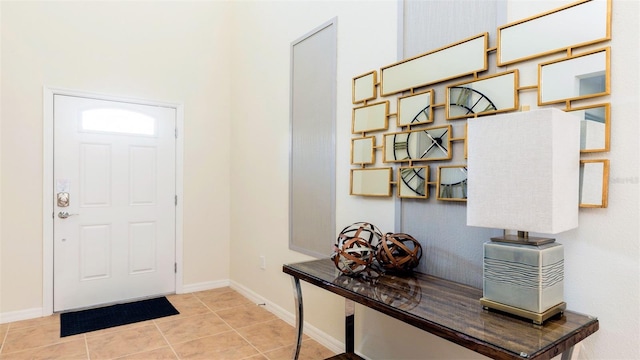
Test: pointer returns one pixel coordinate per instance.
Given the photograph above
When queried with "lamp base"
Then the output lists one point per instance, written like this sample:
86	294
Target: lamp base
537	318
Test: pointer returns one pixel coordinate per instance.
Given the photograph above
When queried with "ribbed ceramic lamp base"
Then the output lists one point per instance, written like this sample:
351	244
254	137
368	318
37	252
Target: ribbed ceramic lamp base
526	280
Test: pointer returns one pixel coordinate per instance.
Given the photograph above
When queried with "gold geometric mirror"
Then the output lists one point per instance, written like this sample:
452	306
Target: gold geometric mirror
415	109
576	77
595	127
546	33
425	144
362	150
594	183
364	87
413	181
452	183
371	117
371	182
487	95
462	58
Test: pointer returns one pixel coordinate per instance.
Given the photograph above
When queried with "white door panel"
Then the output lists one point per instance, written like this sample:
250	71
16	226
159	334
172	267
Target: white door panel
119	242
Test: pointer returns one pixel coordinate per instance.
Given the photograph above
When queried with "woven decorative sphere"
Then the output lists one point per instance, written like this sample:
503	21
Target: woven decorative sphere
353	256
355	247
363	230
399	252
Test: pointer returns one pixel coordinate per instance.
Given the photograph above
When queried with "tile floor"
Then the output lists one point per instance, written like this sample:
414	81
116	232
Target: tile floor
213	324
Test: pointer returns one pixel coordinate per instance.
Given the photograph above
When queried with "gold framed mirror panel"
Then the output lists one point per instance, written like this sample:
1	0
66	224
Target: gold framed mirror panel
363	150
452	183
594	183
545	33
371	182
483	96
465	57
371	117
364	87
415	109
425	144
413	182
576	77
595	127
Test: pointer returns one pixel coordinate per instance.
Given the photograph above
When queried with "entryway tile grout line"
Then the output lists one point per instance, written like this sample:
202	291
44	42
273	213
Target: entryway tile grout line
166	340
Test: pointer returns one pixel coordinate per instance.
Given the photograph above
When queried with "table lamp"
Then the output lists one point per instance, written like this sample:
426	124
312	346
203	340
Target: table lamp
523	176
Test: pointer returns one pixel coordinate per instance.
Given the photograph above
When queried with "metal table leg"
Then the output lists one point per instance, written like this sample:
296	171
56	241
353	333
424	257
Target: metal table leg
297	295
349	311
566	355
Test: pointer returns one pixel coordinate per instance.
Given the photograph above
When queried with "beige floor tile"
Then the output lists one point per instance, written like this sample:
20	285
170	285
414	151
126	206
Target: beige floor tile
225	346
126	342
246	315
3	332
23	338
256	357
269	335
40	321
193	327
164	353
310	350
187	305
223	300
237	330
72	350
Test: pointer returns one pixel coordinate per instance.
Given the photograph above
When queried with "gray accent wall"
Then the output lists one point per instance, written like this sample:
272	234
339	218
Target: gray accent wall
451	249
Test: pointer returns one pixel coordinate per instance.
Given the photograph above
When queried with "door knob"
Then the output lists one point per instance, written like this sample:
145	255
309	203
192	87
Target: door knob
64	214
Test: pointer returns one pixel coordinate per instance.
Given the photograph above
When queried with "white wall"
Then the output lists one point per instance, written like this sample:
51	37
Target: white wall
165	51
260	136
602	256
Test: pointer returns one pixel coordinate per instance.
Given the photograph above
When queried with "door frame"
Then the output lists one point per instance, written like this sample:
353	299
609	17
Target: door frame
48	180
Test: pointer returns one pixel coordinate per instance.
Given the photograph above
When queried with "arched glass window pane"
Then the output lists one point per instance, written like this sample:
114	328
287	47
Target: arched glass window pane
118	121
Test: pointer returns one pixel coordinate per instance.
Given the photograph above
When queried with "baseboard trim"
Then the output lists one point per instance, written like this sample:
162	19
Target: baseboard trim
19	315
207	285
316	334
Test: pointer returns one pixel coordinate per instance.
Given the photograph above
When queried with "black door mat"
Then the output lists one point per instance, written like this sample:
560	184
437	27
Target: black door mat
79	322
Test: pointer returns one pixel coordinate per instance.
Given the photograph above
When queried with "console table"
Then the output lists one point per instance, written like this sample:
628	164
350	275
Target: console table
444	308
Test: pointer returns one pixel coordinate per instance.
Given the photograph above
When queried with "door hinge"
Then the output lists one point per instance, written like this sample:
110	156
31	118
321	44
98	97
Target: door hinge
176	200
175	268
176	133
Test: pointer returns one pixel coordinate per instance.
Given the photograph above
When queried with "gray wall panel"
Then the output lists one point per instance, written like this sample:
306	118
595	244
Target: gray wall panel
452	250
312	157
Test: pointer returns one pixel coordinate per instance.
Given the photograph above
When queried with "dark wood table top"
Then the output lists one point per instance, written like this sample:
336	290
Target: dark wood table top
451	311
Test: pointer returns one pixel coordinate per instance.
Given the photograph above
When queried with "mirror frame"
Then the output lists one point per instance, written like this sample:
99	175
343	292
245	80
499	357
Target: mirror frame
553	25
380	113
451	62
542	83
604	181
372	158
402	185
607	126
383	185
361	84
439	185
513	106
407	103
390	144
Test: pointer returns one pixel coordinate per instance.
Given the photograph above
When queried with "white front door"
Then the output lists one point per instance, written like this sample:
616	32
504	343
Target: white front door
114	201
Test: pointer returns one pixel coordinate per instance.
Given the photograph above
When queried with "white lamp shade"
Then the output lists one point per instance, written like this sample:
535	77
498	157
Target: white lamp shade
523	171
